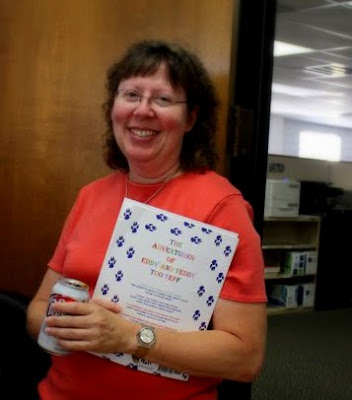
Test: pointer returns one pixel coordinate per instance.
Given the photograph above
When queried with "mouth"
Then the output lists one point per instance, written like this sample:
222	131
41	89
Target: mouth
143	132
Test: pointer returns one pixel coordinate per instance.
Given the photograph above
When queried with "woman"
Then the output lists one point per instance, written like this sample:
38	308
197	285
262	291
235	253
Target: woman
161	117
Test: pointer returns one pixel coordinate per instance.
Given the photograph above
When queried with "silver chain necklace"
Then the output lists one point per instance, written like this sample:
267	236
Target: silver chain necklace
156	192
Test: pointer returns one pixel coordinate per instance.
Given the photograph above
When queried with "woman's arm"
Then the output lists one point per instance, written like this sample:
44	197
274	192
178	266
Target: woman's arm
37	308
234	349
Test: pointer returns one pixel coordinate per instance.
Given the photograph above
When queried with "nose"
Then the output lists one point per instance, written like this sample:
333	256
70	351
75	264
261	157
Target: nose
144	107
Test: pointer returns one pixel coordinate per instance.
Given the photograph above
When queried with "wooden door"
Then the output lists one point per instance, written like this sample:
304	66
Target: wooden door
53	59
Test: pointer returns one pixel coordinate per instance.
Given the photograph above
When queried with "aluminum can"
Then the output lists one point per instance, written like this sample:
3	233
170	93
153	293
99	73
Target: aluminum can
65	290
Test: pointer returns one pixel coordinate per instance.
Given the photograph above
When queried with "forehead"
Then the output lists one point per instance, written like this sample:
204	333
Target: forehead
160	78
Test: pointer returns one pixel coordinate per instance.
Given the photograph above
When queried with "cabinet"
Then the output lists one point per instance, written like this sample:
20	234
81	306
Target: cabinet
290	248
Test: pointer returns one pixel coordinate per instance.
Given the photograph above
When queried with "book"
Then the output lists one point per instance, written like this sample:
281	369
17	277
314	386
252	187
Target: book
165	270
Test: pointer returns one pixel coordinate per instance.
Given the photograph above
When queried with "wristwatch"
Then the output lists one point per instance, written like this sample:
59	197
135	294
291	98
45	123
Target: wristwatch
146	338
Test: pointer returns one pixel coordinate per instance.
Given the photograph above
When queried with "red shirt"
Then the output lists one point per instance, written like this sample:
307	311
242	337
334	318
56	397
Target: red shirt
80	252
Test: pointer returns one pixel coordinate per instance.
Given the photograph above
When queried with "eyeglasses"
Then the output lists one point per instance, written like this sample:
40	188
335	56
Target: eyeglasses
160	100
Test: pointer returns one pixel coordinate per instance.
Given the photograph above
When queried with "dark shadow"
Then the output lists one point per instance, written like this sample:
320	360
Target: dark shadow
232	390
22	362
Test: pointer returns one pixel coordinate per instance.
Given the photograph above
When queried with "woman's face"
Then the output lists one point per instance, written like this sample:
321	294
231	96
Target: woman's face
148	134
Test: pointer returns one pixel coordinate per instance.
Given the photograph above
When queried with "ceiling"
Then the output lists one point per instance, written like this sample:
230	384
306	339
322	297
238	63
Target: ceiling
325	26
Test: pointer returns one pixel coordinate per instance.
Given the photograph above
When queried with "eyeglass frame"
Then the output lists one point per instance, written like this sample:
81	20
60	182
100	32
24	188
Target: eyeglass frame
152	100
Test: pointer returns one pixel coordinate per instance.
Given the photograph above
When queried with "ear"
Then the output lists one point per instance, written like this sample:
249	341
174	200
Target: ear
191	119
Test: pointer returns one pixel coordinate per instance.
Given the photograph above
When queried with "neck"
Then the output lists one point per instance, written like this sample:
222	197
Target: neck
142	176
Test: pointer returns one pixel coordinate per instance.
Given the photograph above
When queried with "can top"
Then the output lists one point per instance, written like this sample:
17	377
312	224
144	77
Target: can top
74	283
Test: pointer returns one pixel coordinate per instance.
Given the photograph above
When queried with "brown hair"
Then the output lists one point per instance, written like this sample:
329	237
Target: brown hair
185	71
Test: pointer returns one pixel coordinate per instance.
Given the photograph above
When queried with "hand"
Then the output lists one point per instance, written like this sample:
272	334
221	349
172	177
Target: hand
94	326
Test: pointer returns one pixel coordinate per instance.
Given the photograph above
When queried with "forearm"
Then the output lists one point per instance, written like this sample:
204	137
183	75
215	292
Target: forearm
233	350
35	314
37	308
213	353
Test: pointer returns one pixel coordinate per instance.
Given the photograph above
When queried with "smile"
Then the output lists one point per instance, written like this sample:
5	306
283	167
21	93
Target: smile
143	132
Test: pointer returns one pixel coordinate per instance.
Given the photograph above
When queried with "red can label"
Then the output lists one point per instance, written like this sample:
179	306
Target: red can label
55	298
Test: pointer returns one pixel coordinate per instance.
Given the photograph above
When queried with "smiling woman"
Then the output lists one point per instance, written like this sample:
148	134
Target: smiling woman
151	69
161	114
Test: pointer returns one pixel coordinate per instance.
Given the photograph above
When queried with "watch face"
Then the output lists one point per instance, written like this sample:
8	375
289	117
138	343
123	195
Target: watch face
147	336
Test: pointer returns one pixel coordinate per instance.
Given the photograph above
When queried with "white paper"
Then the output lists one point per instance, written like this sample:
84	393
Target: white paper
164	270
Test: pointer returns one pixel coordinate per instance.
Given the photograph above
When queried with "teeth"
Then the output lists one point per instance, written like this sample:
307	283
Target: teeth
143	133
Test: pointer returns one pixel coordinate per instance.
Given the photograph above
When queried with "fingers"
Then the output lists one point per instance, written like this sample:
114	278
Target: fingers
68	321
78	308
99	313
86	326
73	339
68	334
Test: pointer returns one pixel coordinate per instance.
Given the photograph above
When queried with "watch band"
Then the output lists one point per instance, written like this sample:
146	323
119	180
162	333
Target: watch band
141	352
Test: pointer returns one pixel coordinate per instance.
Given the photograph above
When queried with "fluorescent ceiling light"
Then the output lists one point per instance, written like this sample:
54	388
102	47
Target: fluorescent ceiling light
285	49
332	70
300	92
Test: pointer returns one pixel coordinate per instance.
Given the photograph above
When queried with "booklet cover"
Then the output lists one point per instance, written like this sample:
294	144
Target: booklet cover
165	270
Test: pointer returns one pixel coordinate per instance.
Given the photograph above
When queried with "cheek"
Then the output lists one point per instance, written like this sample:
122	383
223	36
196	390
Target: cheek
175	124
118	114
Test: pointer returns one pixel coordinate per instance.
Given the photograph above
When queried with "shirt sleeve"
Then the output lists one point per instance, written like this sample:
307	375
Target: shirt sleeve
57	261
245	280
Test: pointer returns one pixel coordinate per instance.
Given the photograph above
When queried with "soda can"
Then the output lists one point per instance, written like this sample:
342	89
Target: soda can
65	290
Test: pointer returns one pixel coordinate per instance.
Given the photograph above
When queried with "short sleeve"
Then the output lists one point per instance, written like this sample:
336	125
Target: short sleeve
56	263
245	279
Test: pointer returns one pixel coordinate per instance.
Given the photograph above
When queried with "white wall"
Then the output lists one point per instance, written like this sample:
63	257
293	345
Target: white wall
283	148
284	136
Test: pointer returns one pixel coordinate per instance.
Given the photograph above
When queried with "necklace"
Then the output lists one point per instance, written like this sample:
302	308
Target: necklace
157	191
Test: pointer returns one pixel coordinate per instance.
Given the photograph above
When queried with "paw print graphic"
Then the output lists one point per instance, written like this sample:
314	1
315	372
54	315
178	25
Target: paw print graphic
218	240
111	262
130	252
104	289
120	241
220	277
119	354
134	227
127	214
227	251
161	217
175	231
188	225
202	326
210	301
150	227
201	291
115	299
119	276
213	265
196	240
196	315
207	230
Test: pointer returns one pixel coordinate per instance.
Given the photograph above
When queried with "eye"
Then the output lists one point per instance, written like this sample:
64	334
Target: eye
163	100
132	96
